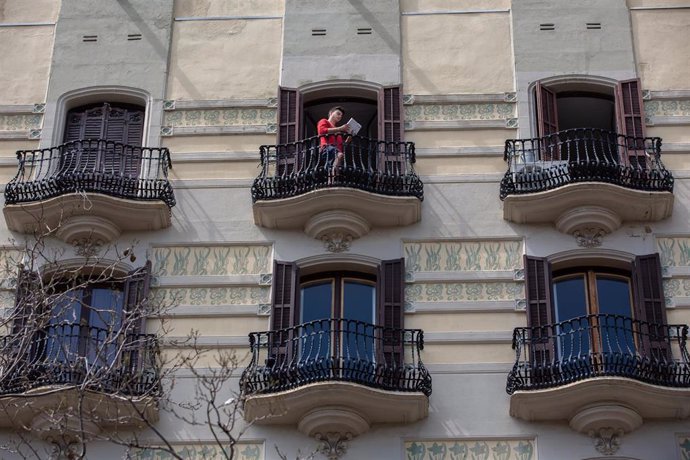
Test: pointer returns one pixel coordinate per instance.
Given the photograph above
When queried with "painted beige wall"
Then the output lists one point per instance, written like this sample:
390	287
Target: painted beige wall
28	11
460	165
229	59
469	353
656	3
215	170
670	135
232	143
433	322
218	327
452	54
444	5
8	149
659	36
26	53
465	138
202	8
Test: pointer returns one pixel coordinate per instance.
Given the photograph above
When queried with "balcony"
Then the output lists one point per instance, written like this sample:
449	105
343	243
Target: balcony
111	379
583	179
376	186
90	190
600	372
336	376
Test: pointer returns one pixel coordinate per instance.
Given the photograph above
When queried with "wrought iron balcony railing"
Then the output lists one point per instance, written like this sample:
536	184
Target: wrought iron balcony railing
599	346
584	155
93	358
380	167
336	350
94	165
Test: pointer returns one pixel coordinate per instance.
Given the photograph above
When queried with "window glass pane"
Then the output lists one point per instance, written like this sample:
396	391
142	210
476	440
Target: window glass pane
105	319
62	337
617	339
358	330
570	302
315	329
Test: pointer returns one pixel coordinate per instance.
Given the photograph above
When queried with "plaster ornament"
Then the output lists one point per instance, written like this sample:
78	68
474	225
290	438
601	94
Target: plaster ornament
333	445
607	440
337	242
589	237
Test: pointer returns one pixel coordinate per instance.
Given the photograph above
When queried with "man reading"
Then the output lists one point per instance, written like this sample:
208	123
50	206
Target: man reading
331	138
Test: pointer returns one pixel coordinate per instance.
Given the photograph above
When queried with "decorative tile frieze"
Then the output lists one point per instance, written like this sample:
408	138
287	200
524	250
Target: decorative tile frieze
212	260
667	108
20	122
677	287
210	296
674	252
462	255
471	449
220	117
242	451
470	291
453	112
683	443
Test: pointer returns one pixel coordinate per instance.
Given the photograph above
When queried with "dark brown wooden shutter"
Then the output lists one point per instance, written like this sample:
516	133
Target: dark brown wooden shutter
26	301
391	114
288	115
136	292
630	118
650	306
285	299
539	315
391	289
547	123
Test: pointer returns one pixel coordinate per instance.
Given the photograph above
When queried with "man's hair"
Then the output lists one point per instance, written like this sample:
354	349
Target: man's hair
337	107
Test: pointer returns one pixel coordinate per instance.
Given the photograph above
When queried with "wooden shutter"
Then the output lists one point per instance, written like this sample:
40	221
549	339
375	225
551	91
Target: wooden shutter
391	291
390	111
289	110
285	303
136	292
547	123
630	118
25	301
650	306
539	316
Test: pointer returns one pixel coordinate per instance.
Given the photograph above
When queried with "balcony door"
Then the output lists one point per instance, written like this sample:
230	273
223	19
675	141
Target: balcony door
593	312
337	317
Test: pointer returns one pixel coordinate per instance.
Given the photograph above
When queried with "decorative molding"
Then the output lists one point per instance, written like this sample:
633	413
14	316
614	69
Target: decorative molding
264	309
409	307
497	449
217	130
167	131
272	102
20	122
212	104
519	274
521	304
461	306
205	260
674	251
211	296
34	134
240	116
510	97
469	291
271	128
683	443
512	123
458	98
589	237
667	108
333	445
607	440
87	247
39	108
243	450
337	242
169	104
265	279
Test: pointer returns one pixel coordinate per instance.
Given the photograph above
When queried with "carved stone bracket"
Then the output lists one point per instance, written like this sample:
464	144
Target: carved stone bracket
589	237
337	241
607	440
333	445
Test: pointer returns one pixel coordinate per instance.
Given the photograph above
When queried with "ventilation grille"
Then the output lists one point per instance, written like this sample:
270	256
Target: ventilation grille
594	25
548	26
133	37
89	38
364	31
318	32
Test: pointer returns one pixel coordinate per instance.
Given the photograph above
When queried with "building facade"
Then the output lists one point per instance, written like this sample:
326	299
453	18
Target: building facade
498	269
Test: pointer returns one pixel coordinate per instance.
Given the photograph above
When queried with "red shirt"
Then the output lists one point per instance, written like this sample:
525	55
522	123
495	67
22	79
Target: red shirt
334	139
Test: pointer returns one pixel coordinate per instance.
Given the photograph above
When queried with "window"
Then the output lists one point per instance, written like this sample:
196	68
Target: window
599	315
342	315
77	324
583	121
105	138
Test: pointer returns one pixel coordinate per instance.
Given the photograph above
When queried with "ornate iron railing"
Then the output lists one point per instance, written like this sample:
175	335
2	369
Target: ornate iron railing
92	358
596	346
93	165
584	155
381	167
336	350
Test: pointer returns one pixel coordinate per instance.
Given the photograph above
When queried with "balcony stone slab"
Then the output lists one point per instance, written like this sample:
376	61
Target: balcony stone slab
94	217
590	405
588	205
335	407
59	412
342	210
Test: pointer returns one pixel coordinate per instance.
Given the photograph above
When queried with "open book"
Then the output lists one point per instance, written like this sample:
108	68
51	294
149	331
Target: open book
354	126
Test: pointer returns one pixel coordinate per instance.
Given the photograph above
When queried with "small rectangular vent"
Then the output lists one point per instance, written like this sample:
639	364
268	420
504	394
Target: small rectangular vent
133	37
594	25
318	32
547	26
90	38
364	31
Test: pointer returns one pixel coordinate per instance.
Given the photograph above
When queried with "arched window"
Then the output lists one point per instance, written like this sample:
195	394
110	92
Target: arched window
123	123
